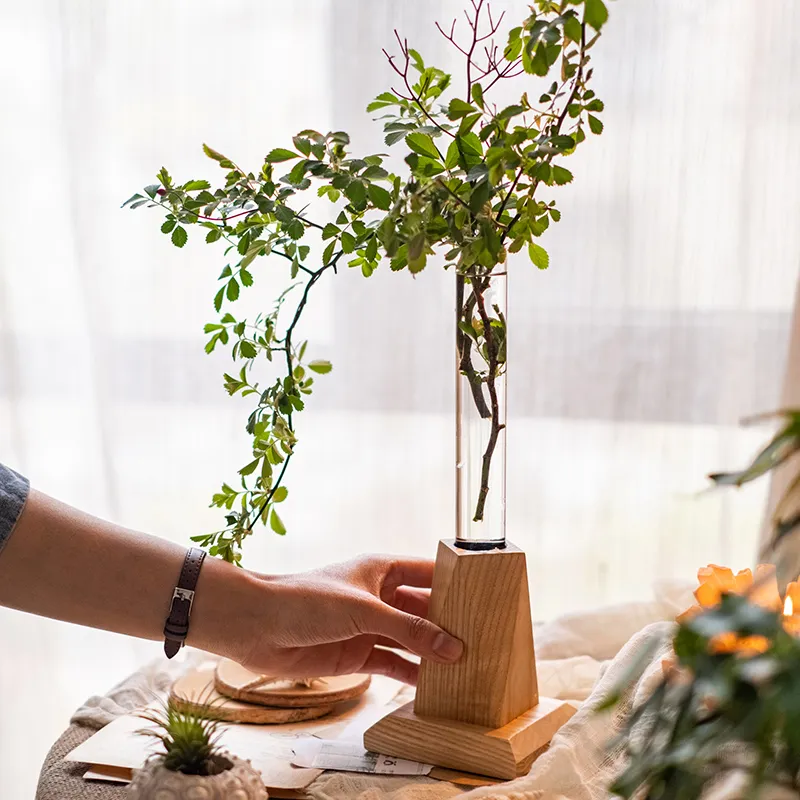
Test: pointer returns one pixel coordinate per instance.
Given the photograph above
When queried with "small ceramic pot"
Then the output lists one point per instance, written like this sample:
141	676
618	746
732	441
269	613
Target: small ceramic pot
239	782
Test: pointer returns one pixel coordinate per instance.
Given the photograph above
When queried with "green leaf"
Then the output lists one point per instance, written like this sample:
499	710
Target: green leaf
232	291
348	242
133	199
380	197
451	160
329	231
572	29
211	153
563	142
423	144
250	468
511	111
213	236
168	226
356	193
276	523
477	94
382	101
280	154
394	137
303	145
459	108
281	493
194	186
218	298
321	367
595	125
538	255
561	175
596	13
179	236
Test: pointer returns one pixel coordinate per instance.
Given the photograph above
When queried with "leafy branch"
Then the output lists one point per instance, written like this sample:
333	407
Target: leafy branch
473	201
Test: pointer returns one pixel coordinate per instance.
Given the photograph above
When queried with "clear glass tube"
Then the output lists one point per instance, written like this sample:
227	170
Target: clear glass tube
481	347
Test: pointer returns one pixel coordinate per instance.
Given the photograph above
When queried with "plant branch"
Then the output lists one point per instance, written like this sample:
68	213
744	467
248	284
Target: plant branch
492	351
413	96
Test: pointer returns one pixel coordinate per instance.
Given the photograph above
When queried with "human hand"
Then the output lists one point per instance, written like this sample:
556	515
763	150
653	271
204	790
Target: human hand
339	620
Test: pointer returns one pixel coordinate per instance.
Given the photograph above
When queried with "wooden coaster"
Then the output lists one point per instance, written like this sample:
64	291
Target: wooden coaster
197	688
233	680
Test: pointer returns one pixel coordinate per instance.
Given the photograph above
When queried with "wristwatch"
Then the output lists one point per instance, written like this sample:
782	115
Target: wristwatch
176	627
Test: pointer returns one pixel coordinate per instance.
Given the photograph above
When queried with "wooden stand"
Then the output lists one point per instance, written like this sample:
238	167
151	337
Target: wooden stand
482	714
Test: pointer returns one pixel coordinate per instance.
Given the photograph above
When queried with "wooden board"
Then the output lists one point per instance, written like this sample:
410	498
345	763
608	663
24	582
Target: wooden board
197	688
505	752
233	680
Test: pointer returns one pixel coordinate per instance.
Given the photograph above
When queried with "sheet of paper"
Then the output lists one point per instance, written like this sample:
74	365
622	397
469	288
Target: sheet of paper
108	775
351	757
268	747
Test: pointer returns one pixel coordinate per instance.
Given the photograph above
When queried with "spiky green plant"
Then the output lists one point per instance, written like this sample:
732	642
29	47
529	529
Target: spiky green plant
190	738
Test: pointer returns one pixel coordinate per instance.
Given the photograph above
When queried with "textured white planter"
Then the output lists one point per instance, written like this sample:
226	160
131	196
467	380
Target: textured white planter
155	782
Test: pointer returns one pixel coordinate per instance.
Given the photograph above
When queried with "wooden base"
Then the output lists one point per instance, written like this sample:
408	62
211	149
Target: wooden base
482	714
506	752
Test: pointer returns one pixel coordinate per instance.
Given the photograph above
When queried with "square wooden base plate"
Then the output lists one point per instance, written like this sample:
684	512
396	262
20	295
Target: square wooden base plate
505	752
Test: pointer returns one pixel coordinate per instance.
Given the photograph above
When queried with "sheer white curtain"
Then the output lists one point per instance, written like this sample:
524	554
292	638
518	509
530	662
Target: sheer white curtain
661	322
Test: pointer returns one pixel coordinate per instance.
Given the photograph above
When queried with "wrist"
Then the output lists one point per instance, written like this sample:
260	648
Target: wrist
228	610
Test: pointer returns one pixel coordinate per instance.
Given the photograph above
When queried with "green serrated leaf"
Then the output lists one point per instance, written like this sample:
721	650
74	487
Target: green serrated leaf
280	154
572	29
168	226
276	523
193	186
179	236
595	125
539	255
459	108
321	367
561	175
423	144
281	493
232	290
596	13
211	153
379	196
250	468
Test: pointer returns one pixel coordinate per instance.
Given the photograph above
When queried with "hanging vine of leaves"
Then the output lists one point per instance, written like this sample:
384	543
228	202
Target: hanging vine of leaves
475	173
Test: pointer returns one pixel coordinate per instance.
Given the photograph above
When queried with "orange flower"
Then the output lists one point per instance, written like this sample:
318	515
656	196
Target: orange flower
715	581
740	645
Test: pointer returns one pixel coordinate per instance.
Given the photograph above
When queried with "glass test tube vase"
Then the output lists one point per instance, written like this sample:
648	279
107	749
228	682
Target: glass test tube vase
481	348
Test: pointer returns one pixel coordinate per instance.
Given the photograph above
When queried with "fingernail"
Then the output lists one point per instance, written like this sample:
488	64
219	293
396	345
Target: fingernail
447	647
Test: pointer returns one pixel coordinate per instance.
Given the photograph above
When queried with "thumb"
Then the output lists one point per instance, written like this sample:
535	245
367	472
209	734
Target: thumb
415	634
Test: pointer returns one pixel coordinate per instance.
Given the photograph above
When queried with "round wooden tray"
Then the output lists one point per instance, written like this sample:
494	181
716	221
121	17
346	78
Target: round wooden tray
233	680
196	689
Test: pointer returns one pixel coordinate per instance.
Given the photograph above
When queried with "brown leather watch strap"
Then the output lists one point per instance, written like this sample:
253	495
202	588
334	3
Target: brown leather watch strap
176	627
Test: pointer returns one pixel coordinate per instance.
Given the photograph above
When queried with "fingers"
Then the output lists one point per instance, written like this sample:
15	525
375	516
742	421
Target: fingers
409	572
412	601
413	633
385	662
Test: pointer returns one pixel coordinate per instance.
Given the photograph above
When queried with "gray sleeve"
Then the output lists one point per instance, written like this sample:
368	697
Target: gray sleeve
13	494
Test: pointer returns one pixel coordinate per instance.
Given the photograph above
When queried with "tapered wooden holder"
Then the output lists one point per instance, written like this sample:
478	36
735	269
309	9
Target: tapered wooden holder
482	714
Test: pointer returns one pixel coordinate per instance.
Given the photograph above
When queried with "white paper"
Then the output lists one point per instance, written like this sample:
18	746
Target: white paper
270	748
352	757
99	774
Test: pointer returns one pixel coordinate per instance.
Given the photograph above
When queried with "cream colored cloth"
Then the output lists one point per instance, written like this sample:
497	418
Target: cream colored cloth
579	656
